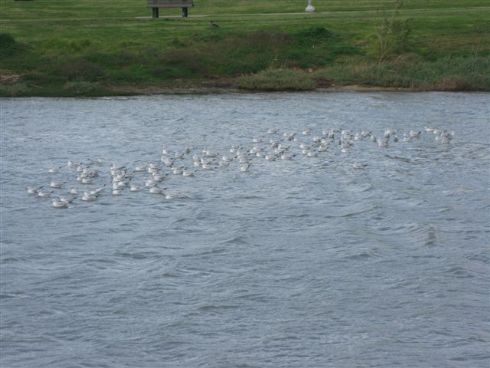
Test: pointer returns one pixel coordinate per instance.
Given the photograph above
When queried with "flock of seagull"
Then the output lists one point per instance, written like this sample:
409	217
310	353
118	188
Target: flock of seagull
150	176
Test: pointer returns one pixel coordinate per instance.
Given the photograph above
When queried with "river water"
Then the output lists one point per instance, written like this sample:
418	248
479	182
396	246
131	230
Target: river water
352	256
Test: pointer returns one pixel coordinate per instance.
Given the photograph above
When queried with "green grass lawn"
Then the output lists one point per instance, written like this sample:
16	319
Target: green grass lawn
93	47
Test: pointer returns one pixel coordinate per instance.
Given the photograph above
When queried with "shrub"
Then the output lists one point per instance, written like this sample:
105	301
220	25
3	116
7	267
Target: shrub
8	45
392	36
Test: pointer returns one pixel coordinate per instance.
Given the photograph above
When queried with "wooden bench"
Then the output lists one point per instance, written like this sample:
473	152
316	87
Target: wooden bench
155	6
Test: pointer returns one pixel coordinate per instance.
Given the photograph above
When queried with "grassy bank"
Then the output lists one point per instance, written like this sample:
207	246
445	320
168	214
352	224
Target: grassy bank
93	47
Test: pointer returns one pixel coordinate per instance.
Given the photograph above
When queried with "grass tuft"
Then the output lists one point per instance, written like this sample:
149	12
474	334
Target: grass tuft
81	88
411	71
277	80
79	70
14	90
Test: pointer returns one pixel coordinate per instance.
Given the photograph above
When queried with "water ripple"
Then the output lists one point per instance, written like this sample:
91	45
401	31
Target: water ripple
345	253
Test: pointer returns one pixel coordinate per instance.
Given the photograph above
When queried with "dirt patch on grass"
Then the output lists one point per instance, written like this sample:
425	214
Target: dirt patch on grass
8	78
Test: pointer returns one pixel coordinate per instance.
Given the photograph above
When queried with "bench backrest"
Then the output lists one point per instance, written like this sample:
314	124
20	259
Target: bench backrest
170	3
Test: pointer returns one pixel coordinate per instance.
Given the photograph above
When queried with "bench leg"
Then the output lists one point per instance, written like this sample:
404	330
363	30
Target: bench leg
185	12
155	12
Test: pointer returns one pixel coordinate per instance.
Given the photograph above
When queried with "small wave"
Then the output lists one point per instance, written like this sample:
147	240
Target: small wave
400	229
12	295
254	297
216	308
8	260
179	220
459	272
206	252
482	257
359	188
355	212
136	255
359	256
99	260
238	240
169	275
400	158
6	296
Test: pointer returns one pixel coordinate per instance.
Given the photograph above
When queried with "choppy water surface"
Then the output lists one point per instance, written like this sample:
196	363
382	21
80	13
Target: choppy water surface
359	257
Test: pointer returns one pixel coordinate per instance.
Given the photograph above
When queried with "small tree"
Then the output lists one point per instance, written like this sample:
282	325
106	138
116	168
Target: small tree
392	36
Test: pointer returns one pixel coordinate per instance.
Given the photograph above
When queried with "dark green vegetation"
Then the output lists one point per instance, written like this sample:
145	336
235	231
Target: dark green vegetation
93	47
